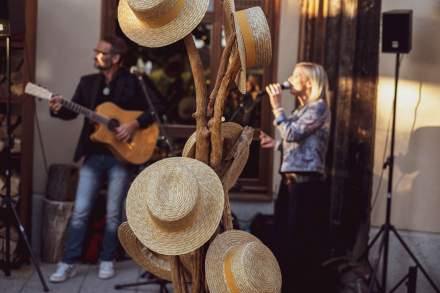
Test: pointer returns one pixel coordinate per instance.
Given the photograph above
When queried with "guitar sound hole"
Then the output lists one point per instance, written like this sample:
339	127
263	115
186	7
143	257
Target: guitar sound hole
113	124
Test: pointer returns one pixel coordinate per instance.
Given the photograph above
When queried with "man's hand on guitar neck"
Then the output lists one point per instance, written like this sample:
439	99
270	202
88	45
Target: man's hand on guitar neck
55	103
126	130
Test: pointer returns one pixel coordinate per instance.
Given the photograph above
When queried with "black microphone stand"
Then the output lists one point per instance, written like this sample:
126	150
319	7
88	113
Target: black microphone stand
388	227
153	112
7	201
242	107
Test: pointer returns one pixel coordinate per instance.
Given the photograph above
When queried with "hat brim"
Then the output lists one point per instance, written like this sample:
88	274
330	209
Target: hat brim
242	75
258	23
143	34
205	220
158	265
230	131
215	257
229	8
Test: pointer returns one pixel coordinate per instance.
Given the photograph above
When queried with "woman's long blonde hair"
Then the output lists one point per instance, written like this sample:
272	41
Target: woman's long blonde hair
318	77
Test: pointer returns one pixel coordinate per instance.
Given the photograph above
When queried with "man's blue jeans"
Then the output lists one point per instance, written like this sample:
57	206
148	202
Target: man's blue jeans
90	180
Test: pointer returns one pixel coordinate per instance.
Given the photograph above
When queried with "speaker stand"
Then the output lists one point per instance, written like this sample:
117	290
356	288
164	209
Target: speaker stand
387	227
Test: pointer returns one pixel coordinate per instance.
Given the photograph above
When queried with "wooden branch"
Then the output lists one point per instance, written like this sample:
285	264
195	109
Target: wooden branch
177	275
215	122
202	145
227	215
224	60
198	270
240	146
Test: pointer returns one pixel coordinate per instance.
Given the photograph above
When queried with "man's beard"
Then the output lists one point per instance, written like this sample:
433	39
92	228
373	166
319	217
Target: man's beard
102	67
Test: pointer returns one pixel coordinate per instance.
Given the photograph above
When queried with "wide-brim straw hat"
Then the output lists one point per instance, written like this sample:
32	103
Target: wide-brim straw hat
157	23
253	40
229	10
231	132
237	261
175	205
157	264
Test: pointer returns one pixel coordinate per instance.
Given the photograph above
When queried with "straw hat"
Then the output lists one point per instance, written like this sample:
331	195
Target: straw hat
239	160
231	132
237	261
175	205
157	23
253	39
229	9
157	264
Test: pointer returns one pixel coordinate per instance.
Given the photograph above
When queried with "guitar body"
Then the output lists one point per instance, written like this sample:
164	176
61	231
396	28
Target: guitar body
142	144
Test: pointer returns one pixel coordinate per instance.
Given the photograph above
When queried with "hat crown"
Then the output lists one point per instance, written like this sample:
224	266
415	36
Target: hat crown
253	267
175	196
254	37
151	8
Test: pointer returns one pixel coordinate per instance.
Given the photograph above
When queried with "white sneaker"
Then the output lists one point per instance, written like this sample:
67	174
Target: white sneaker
106	270
63	272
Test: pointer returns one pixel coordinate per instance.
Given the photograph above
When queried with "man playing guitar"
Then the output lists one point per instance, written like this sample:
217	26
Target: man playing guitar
112	84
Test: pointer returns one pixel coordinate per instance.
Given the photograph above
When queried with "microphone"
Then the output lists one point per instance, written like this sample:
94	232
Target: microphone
141	67
285	85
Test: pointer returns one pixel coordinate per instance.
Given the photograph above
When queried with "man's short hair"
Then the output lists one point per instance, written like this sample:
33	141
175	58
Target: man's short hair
118	44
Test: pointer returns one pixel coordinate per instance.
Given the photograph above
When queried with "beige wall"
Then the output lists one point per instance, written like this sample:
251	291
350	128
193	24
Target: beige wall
416	196
67	32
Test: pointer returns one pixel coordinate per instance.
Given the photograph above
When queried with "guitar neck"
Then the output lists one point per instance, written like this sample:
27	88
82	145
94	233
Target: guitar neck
92	115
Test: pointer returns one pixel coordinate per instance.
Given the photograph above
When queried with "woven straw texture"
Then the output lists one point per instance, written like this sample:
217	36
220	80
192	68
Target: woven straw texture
154	263
261	39
234	171
230	131
253	267
175	205
133	18
158	265
229	9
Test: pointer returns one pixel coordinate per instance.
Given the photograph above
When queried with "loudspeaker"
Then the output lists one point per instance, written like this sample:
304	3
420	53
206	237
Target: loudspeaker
397	31
13	11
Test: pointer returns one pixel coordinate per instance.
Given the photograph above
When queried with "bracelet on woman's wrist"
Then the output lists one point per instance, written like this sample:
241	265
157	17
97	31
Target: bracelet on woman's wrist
277	111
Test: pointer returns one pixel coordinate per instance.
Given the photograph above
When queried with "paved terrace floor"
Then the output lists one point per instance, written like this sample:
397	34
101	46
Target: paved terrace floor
25	280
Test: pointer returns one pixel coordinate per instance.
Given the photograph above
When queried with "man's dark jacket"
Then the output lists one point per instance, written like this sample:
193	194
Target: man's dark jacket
125	92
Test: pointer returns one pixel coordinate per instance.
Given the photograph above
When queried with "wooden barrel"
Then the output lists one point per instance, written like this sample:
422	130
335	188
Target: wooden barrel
56	216
61	182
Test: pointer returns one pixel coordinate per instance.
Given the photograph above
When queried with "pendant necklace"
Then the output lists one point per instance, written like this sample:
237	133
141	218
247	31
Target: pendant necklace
106	91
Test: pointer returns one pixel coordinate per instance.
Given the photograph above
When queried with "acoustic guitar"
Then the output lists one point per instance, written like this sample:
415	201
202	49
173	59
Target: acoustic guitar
107	118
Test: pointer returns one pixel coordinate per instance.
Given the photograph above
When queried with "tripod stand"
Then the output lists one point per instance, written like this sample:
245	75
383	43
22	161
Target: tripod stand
7	201
152	280
388	227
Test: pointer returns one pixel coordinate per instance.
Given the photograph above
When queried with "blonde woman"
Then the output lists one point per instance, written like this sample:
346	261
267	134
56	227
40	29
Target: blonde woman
302	206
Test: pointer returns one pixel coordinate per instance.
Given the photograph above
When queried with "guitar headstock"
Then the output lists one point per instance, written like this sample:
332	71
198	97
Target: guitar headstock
37	91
